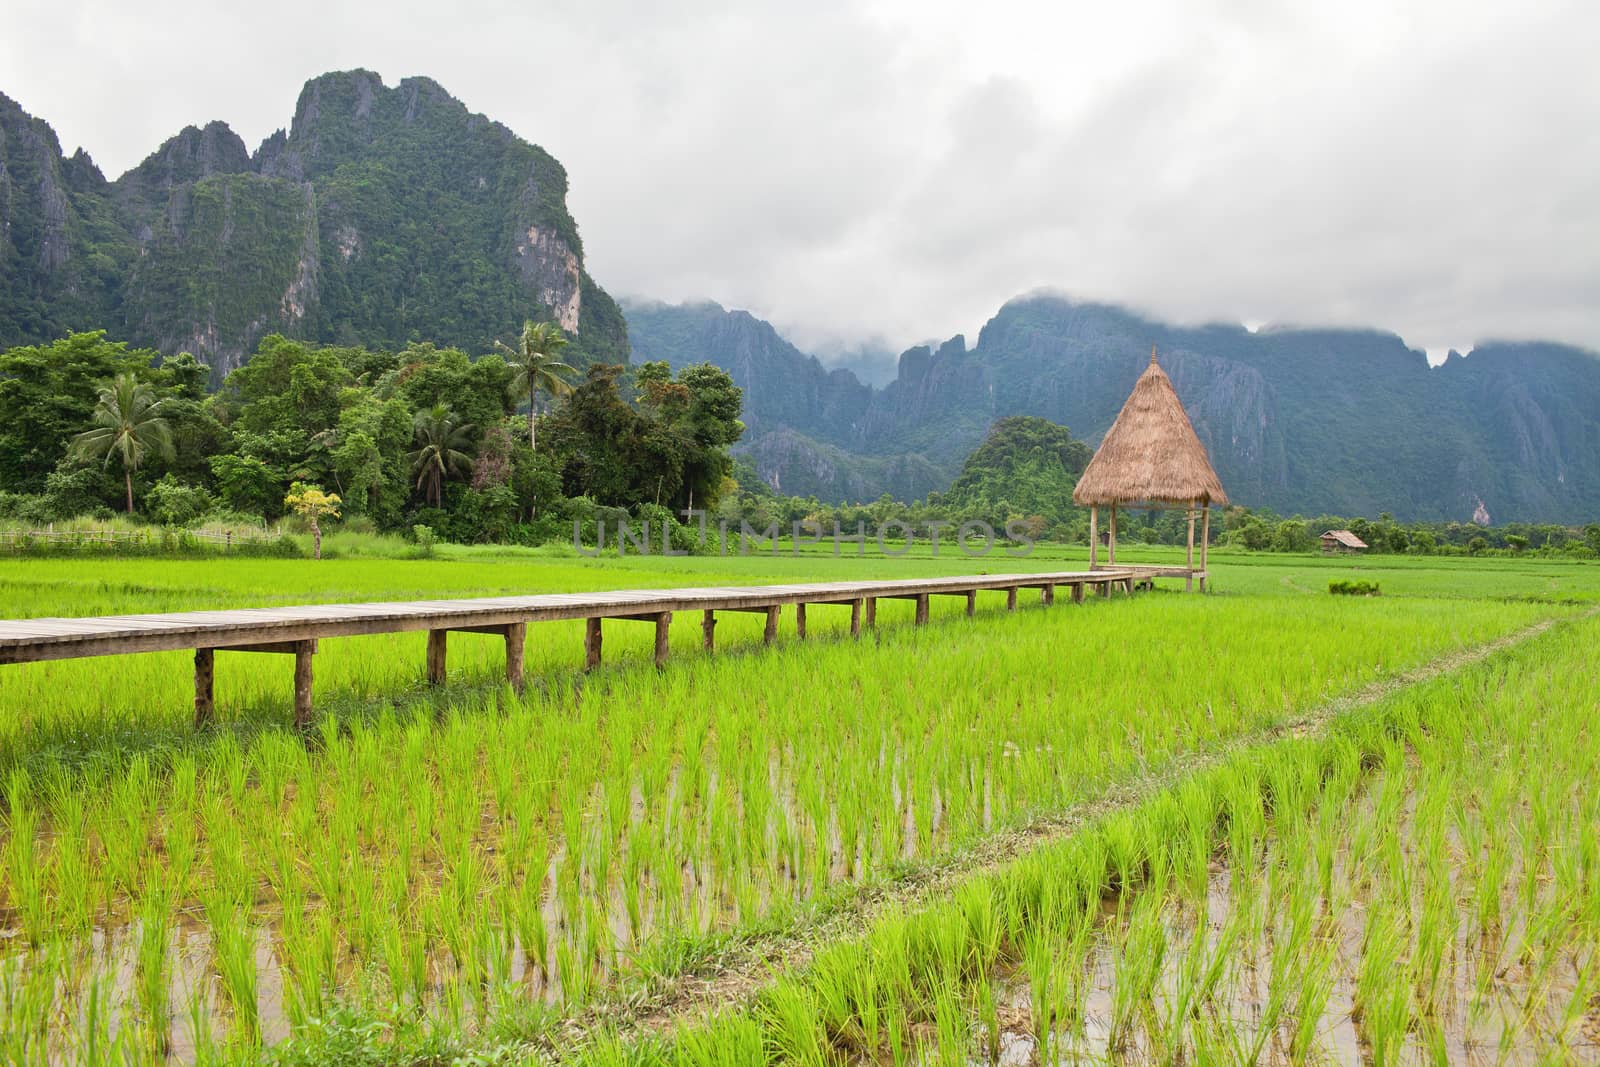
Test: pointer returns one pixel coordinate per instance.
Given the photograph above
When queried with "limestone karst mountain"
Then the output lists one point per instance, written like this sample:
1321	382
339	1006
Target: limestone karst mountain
381	216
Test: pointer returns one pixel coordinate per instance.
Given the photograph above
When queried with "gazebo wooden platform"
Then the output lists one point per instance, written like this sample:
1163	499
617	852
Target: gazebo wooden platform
1151	458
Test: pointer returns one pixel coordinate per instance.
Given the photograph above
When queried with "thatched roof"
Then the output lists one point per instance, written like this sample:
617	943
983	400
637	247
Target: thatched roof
1151	454
1345	538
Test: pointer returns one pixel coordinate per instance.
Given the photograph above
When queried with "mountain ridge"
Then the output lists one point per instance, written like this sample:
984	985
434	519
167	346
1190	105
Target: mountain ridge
1302	419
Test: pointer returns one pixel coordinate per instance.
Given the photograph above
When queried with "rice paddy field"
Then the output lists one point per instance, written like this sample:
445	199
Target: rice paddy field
1262	825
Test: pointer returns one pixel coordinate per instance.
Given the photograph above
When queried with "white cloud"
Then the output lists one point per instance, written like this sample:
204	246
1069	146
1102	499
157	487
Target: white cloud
899	169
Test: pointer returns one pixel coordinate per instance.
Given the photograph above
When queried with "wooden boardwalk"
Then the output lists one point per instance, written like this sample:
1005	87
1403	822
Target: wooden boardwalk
296	630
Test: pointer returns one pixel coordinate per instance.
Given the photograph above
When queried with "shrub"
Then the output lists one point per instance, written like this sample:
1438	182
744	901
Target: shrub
172	503
424	538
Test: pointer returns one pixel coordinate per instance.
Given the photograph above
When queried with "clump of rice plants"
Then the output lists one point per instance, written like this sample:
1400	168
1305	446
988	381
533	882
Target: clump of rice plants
1354	587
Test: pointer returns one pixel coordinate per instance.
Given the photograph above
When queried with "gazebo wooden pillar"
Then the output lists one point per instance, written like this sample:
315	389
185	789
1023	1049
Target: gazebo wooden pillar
1188	558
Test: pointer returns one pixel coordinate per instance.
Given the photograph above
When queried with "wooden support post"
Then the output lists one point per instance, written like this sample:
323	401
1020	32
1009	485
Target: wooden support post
1047	595
800	620
855	618
972	602
1188	559
302	682
1111	550
708	631
871	620
436	651
771	633
1205	543
204	691
1077	592
1094	535
516	644
591	644
922	609
663	627
1011	599
1104	589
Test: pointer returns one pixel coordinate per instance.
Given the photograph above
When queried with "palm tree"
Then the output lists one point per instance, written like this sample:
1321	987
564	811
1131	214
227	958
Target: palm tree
440	452
536	366
128	425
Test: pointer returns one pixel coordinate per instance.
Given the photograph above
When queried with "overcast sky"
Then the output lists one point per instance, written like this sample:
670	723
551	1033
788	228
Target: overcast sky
898	170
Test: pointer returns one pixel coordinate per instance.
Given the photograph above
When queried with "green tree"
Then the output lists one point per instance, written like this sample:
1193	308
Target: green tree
248	484
128	426
441	451
535	366
47	394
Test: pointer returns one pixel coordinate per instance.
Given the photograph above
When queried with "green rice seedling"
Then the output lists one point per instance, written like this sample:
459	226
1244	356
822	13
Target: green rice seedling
25	872
790	1019
152	971
988	1019
233	949
727	1040
1039	964
28	994
1139	950
950	1029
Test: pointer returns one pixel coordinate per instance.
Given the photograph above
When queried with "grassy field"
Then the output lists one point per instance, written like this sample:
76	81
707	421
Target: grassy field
441	871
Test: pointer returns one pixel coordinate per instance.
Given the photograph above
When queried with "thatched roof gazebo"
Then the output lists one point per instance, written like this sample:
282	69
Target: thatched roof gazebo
1151	457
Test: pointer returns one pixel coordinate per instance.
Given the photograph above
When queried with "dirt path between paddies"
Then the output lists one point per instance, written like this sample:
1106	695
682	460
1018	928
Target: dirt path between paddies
748	965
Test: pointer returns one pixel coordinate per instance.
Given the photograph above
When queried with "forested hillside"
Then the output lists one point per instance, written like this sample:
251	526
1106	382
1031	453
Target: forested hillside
381	217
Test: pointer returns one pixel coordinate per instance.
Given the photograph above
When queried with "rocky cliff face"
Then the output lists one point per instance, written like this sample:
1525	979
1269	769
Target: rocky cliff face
381	216
1309	421
63	251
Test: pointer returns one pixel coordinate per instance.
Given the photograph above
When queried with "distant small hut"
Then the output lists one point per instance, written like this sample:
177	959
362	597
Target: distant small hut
1342	542
1151	457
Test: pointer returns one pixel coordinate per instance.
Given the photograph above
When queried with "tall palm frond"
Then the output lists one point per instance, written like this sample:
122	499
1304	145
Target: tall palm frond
128	424
536	366
441	450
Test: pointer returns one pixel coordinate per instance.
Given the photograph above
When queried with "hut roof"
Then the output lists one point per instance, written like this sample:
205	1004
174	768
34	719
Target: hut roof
1346	538
1151	454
